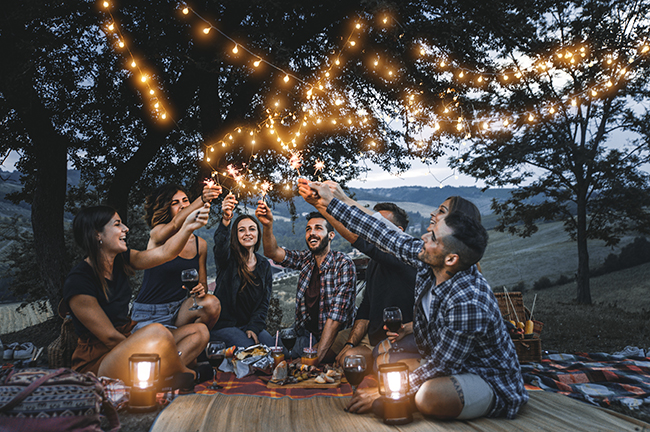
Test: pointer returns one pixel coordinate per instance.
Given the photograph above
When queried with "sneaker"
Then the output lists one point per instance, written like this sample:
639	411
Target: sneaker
8	352
24	351
630	351
204	372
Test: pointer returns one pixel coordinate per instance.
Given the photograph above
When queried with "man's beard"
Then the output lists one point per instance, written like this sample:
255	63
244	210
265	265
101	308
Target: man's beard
320	247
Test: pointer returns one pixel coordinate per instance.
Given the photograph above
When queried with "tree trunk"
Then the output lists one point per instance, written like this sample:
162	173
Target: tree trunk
584	291
130	172
50	179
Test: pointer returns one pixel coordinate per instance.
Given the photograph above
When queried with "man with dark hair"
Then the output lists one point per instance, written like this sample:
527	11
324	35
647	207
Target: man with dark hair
469	365
326	285
389	282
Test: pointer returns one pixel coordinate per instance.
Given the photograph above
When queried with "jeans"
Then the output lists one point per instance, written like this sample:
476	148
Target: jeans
165	314
237	336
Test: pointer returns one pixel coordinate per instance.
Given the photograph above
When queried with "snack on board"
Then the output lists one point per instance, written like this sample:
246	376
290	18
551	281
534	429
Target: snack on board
254	351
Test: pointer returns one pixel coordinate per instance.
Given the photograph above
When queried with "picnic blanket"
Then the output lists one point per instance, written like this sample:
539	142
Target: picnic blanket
597	378
253	385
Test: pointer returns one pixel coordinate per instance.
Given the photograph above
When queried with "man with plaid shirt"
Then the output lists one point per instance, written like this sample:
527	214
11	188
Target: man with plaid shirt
470	367
326	285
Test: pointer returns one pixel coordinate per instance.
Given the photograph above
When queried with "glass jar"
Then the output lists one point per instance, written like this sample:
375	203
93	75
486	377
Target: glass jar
309	357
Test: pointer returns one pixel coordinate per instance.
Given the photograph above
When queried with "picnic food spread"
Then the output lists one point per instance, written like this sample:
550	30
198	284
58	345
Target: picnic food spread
294	373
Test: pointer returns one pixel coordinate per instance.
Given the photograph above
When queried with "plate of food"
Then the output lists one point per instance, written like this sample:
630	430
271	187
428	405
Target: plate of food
297	375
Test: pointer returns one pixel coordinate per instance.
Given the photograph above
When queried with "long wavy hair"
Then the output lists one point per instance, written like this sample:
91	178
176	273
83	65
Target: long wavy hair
86	225
466	207
240	253
157	208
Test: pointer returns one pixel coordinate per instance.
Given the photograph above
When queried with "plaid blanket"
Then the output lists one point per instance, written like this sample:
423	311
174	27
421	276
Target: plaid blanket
253	385
597	378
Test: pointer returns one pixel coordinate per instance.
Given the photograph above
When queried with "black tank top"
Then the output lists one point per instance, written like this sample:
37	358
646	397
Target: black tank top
162	284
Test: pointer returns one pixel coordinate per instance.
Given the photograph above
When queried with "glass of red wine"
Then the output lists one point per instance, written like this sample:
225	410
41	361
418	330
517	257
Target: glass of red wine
187	276
288	337
354	368
215	353
393	318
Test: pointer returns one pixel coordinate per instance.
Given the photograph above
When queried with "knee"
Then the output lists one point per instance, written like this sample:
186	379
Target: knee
212	306
436	400
157	334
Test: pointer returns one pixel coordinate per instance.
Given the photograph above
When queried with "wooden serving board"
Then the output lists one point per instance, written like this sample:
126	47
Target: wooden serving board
306	384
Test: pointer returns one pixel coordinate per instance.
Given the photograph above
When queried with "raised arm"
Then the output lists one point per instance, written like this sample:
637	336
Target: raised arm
162	232
271	248
149	258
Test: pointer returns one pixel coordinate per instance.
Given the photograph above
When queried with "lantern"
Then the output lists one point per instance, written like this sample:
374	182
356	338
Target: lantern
394	387
144	371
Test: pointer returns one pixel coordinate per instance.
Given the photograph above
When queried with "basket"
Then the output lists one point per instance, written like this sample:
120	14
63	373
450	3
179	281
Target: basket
528	350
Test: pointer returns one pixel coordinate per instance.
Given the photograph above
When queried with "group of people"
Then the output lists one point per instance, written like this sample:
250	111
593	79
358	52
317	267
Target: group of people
461	359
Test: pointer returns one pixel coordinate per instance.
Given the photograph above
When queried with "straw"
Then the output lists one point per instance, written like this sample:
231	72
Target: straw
512	306
277	333
533	308
309	340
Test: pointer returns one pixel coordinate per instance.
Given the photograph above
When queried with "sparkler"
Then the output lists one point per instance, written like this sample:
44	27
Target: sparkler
266	186
318	167
296	161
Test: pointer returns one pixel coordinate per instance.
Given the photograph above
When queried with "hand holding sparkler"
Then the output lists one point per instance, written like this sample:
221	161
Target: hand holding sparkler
227	208
210	191
263	214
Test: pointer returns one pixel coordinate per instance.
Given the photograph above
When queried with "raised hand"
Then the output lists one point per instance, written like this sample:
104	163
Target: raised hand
228	206
198	218
263	213
210	192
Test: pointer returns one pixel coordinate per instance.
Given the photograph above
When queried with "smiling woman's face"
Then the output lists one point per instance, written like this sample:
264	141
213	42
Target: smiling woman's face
247	233
113	235
440	213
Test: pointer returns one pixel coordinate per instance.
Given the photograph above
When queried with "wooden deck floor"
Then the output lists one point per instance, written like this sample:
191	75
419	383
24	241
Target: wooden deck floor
544	412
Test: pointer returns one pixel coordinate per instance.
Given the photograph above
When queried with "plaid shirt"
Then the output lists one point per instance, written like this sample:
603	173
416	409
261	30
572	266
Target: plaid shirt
338	281
465	333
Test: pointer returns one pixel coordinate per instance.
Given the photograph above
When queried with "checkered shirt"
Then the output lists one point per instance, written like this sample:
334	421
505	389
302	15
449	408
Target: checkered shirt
465	332
338	280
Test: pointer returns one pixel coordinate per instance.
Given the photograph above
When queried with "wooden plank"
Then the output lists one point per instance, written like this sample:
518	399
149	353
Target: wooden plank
220	413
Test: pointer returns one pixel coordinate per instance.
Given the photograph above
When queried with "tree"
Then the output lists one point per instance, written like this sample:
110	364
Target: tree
67	94
578	134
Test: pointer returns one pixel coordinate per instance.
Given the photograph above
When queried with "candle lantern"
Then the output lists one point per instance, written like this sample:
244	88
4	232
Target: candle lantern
144	371
394	387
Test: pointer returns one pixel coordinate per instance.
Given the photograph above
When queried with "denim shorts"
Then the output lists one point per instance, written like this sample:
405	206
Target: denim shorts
479	396
165	314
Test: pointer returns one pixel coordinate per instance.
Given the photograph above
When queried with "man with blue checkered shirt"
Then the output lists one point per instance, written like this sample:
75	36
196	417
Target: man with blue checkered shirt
469	367
326	285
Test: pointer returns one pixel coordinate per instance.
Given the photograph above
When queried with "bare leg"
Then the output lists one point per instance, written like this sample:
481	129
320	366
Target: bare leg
441	398
154	338
191	339
208	315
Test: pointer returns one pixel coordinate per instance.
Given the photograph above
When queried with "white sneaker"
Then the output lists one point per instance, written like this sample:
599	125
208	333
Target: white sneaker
8	352
630	351
24	351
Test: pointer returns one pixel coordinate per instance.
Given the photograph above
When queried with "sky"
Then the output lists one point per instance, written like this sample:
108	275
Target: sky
419	175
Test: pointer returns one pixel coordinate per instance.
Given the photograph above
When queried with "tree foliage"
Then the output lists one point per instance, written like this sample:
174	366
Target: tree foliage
581	159
68	94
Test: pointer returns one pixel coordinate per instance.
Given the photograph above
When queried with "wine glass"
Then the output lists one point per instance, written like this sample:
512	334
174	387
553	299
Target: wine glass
215	353
393	318
191	275
288	337
354	368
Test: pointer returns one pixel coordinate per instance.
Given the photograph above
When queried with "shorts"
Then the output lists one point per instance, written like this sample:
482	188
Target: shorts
343	336
165	314
90	351
478	395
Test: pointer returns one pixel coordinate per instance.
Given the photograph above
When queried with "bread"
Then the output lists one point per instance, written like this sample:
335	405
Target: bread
280	371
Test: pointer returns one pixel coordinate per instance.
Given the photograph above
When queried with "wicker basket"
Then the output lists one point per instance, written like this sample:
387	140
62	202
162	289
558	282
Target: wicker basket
528	349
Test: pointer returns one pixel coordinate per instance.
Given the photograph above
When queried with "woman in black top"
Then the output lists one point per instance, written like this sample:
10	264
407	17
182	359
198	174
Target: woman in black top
97	292
244	280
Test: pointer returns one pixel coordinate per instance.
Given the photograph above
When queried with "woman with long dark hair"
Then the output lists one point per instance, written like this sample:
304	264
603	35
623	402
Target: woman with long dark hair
97	292
244	280
162	297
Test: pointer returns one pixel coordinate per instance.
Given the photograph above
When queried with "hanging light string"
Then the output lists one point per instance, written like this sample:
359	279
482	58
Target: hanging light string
152	93
315	109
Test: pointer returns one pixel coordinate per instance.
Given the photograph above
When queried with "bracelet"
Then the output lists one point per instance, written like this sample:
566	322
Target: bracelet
203	199
349	343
